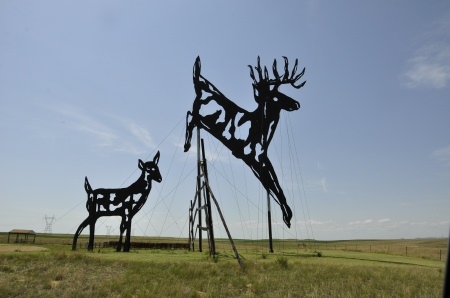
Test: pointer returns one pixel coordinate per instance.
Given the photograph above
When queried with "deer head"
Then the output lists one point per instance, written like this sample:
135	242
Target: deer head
266	90
151	167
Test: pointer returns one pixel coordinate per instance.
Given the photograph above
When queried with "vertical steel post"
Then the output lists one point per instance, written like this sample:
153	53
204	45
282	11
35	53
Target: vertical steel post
212	248
190	241
446	290
199	192
269	222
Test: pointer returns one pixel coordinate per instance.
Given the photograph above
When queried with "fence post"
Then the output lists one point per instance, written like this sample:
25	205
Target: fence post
406	250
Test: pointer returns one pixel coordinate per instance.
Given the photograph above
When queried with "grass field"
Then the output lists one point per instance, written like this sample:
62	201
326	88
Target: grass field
371	268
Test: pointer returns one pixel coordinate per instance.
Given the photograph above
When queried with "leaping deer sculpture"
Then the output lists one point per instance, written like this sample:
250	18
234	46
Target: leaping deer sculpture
124	202
261	124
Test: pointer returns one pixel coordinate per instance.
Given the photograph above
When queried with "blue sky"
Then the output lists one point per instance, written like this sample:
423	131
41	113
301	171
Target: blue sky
87	89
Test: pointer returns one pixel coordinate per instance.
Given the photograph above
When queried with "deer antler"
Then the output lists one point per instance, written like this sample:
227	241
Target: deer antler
288	78
260	73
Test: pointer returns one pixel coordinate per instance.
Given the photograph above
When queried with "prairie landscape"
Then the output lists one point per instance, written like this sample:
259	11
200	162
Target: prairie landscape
297	268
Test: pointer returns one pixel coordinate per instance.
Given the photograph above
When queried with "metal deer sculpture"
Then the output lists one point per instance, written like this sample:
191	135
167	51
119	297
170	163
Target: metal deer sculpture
124	202
251	147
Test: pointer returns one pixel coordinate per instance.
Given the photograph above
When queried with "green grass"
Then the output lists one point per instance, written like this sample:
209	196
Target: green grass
292	272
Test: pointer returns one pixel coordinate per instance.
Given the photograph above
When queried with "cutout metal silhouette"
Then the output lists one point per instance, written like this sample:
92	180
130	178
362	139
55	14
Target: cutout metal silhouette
260	124
124	202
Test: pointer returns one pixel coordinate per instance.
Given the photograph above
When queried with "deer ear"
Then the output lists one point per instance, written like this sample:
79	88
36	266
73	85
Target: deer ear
141	164
156	158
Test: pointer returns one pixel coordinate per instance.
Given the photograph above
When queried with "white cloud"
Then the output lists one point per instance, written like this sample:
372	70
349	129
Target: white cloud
430	69
318	184
319	223
443	155
323	182
78	119
106	132
313	222
384	220
429	224
104	136
430	65
374	228
388	223
142	134
359	222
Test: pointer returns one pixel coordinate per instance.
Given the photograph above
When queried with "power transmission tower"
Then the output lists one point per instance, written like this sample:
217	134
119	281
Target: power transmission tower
48	224
108	231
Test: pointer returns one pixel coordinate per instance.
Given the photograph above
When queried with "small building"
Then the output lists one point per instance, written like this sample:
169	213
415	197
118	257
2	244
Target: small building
22	236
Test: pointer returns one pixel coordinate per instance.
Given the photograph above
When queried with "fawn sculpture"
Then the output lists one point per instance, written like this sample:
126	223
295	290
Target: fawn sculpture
124	202
257	128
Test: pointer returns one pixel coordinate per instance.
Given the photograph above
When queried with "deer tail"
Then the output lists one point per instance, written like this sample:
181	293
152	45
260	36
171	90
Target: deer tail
196	70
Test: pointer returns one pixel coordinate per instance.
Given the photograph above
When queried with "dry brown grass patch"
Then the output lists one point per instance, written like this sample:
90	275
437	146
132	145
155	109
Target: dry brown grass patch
19	248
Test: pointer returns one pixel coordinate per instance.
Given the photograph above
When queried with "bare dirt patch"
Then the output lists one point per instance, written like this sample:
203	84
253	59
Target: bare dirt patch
19	248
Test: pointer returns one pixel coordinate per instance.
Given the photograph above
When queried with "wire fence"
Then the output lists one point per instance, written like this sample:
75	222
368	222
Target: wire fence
436	251
432	253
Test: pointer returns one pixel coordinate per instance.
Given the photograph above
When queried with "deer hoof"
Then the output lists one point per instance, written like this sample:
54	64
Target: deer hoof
287	222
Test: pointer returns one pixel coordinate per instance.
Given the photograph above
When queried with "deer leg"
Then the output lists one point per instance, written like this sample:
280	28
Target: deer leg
189	127
287	212
122	228
78	232
274	186
126	248
266	174
91	233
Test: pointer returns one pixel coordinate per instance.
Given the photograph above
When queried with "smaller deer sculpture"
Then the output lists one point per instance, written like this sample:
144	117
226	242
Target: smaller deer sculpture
123	202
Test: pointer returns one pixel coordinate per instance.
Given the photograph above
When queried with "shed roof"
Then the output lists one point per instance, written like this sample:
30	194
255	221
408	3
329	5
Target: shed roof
19	231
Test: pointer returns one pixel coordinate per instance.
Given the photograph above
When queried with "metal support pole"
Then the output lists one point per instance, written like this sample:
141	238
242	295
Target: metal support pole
236	254
446	288
212	248
199	193
269	222
190	241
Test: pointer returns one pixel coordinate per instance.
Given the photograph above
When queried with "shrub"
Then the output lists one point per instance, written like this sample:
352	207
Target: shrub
282	262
